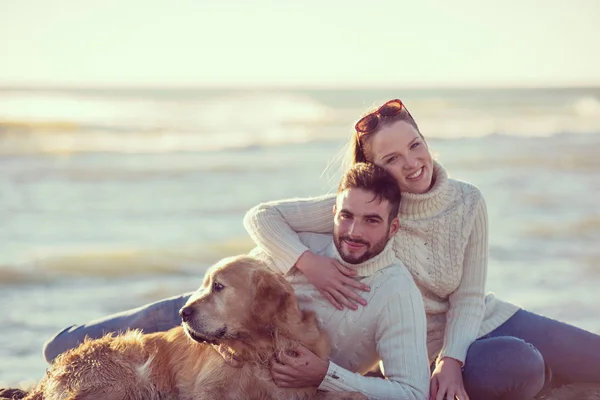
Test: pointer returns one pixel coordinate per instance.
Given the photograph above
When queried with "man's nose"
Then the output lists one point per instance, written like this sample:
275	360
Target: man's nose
355	230
186	313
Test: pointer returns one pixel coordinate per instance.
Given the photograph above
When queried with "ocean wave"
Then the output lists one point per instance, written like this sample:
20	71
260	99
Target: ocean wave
564	162
263	110
121	263
593	265
74	122
68	143
70	123
10	276
560	152
587	228
587	106
65	143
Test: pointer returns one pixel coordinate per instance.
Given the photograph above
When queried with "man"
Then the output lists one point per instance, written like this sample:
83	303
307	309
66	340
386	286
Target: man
391	329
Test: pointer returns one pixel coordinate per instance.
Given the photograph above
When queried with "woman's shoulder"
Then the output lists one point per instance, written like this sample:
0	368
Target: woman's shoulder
468	202
453	189
465	190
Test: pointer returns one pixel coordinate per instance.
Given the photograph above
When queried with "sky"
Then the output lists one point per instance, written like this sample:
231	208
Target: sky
329	43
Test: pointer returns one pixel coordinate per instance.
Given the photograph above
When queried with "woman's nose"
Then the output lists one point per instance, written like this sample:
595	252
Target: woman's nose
410	162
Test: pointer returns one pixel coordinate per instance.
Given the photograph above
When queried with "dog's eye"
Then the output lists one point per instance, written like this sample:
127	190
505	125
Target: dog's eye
217	287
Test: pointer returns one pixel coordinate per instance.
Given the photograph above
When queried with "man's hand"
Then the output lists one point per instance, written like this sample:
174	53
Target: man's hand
447	382
332	279
304	369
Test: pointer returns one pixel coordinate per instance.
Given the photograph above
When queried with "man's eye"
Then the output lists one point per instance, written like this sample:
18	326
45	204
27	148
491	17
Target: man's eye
217	287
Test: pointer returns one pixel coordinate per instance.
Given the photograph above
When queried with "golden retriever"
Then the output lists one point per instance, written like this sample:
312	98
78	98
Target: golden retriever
239	320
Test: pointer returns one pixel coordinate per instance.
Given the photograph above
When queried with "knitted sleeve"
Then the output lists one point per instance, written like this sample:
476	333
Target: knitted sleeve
273	226
467	303
401	343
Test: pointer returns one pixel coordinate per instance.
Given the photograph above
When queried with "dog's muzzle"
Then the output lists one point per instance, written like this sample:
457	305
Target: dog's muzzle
200	338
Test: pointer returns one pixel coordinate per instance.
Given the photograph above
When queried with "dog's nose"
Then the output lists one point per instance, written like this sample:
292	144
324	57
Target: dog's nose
186	313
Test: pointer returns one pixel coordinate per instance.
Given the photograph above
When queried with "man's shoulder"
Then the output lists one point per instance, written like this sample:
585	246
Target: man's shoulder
394	277
390	286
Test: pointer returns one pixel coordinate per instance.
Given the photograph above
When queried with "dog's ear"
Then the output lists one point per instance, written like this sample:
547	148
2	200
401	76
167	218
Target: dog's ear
273	300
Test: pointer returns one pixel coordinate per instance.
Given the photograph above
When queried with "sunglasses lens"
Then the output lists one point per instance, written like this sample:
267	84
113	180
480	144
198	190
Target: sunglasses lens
367	123
391	108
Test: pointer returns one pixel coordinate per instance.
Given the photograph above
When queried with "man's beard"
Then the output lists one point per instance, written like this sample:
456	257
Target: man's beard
370	252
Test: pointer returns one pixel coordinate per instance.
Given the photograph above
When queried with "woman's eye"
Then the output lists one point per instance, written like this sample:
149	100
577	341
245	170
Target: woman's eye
217	287
415	145
391	160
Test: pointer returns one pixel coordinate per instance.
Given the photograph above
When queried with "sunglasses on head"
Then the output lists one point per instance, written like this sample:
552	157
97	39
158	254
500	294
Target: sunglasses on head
369	122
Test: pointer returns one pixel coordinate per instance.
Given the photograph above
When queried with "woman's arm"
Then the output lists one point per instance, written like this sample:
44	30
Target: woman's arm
273	226
401	336
467	303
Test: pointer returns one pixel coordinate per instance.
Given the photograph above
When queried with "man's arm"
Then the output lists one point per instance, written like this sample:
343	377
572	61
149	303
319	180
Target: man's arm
273	226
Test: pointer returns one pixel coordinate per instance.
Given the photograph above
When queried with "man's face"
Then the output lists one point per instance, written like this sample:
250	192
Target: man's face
362	226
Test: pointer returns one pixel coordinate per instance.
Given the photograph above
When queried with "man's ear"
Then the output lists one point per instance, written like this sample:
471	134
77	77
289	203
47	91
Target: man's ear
394	226
334	209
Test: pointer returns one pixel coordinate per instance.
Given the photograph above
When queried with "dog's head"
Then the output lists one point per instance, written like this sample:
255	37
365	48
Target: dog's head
239	298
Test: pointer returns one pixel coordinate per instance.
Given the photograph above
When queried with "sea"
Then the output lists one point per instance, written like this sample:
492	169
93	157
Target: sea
113	198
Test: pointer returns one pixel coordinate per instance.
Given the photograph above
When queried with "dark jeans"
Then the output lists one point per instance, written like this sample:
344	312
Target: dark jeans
509	363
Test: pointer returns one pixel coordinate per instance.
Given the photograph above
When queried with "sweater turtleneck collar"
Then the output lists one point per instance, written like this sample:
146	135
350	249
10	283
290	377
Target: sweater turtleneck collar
419	206
382	260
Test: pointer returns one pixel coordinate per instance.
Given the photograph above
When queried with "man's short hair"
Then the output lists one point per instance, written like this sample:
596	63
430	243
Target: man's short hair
372	178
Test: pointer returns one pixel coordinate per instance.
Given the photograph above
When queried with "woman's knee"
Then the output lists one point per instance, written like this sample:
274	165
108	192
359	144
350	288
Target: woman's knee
503	368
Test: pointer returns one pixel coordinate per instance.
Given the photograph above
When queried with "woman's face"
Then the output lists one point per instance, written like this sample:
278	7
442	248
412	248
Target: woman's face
399	149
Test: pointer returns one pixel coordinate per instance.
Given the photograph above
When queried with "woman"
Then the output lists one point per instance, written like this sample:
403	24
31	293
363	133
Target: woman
480	346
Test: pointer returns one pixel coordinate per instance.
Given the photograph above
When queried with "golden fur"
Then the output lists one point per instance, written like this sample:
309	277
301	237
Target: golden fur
241	317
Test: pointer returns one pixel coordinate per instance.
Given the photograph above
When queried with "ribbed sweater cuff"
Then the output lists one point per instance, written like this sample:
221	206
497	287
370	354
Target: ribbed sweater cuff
336	379
502	312
457	347
457	350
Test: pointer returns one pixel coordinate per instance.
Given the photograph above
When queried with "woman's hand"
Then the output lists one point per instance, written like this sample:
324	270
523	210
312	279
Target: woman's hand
332	279
301	370
447	382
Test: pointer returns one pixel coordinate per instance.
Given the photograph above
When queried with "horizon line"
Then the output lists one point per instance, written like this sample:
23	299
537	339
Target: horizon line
271	86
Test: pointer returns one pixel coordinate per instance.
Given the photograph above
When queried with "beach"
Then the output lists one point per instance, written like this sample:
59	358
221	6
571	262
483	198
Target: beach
110	199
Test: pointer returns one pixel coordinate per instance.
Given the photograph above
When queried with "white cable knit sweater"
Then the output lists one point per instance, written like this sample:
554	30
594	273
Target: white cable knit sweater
391	328
443	240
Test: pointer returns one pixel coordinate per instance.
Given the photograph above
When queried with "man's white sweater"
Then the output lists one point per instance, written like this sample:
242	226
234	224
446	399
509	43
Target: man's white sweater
390	329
